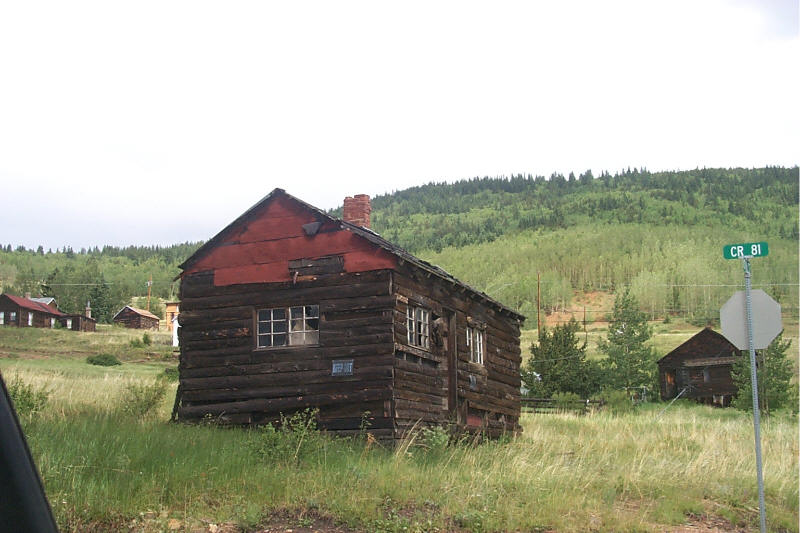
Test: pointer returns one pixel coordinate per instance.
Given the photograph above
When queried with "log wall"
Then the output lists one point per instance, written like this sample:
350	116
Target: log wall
224	375
488	396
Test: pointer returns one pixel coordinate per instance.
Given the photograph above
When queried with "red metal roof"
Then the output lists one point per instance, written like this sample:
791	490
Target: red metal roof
26	303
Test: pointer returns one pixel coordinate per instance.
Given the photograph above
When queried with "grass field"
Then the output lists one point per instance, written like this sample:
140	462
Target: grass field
106	469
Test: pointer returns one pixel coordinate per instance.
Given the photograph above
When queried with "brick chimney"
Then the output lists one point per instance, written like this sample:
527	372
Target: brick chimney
356	210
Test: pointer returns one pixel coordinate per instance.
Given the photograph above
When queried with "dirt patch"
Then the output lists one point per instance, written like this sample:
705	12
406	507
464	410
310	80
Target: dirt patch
707	524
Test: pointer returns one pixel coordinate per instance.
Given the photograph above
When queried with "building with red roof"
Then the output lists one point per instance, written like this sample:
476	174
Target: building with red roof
24	312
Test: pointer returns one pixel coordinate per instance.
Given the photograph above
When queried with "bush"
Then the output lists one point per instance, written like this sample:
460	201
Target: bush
140	399
170	374
434	439
28	400
103	359
616	401
566	401
294	438
146	339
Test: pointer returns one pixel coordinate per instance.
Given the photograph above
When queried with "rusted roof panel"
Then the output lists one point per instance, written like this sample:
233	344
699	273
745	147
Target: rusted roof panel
32	305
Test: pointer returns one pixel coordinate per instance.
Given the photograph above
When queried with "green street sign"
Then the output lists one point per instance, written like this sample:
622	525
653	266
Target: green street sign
748	249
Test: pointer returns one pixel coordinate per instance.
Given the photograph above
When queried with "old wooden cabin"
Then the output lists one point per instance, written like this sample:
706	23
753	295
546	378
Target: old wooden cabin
26	312
289	308
700	369
131	317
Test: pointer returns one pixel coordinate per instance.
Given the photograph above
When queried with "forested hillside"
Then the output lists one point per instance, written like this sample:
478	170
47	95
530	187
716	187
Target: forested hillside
659	232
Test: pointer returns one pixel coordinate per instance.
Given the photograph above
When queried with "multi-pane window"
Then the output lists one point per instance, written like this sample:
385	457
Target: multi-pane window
2	318
288	326
475	344
12	316
30	318
418	324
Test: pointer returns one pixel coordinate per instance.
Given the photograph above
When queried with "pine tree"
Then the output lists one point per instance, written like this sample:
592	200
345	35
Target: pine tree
630	361
559	364
774	378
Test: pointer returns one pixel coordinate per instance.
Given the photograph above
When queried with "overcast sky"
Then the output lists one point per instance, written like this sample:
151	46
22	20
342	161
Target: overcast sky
160	122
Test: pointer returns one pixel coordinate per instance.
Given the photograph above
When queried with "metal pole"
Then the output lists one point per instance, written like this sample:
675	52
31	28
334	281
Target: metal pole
754	383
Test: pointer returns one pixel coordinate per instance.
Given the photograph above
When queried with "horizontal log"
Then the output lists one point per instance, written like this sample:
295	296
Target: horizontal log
203	285
305	389
352	304
280	404
291	296
272	367
283	378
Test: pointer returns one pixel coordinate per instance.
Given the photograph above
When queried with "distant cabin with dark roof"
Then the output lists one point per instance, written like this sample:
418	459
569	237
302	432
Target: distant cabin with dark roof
290	308
25	312
700	369
134	318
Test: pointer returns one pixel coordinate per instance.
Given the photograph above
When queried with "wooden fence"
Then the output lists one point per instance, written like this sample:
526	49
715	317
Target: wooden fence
549	405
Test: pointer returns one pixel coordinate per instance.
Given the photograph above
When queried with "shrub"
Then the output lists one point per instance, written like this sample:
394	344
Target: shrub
566	401
146	339
617	401
140	399
170	374
103	359
28	400
434	439
136	343
294	438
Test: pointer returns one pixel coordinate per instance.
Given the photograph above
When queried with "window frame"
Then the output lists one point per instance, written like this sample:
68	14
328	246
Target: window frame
418	326
289	320
12	316
2	318
476	344
68	323
30	318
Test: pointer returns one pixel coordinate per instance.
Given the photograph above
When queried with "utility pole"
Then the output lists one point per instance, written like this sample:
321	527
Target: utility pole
149	285
538	304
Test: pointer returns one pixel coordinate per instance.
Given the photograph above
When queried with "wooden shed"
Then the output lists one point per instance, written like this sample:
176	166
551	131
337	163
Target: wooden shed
26	312
288	308
131	317
77	322
700	369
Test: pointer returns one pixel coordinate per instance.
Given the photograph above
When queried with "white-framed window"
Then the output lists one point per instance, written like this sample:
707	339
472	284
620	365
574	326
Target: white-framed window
12	316
30	318
288	326
2	317
418	325
52	323
475	344
69	323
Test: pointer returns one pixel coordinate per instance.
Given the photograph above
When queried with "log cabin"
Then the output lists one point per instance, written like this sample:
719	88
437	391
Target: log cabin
26	312
289	308
700	369
134	318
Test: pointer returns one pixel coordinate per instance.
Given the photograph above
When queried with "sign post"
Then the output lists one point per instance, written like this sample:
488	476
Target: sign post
745	252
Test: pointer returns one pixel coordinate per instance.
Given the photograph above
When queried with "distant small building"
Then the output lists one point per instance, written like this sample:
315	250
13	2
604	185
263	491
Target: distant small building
134	318
25	312
170	312
78	322
700	369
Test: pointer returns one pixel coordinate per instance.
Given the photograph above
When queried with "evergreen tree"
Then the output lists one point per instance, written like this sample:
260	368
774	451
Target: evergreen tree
774	378
630	361
559	364
102	302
